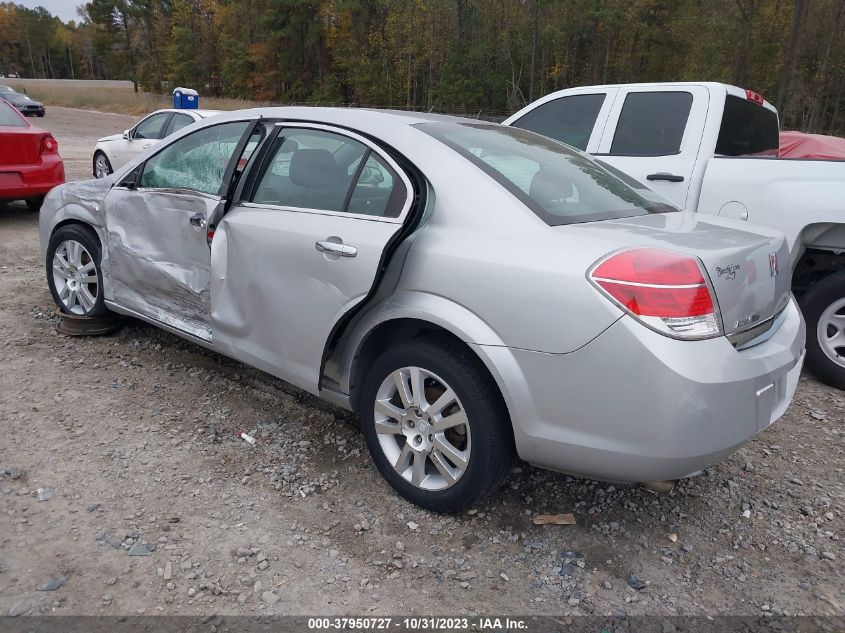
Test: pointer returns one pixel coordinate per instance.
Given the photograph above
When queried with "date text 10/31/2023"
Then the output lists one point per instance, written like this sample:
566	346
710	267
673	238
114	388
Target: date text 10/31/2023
417	623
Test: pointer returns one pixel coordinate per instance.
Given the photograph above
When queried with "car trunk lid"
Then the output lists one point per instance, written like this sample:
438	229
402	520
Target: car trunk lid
20	146
748	268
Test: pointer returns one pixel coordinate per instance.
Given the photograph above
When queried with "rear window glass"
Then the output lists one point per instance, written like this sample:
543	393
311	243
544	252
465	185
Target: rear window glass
568	119
9	116
557	183
747	129
651	124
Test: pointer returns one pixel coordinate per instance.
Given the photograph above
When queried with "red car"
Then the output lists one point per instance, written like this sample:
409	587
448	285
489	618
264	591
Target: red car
30	164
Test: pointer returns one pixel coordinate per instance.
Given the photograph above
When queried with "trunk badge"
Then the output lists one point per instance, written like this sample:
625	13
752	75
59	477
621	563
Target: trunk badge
773	264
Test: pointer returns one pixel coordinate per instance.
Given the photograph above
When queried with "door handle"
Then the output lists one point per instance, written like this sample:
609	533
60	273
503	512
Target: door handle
198	221
664	176
146	146
336	248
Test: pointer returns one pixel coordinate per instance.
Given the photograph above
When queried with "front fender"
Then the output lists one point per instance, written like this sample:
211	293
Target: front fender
77	202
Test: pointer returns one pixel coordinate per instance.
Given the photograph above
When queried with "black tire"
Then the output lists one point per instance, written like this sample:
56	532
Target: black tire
94	164
819	298
40	114
34	204
91	242
492	450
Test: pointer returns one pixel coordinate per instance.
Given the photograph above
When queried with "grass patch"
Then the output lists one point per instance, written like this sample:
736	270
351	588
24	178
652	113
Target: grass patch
110	96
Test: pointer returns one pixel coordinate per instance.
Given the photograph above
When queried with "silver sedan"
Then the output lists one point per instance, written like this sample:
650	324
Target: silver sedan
474	292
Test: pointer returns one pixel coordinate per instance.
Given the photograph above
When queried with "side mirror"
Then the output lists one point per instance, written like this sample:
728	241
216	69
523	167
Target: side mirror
127	135
130	181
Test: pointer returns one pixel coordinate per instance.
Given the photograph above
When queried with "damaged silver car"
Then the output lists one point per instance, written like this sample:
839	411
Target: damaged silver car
474	292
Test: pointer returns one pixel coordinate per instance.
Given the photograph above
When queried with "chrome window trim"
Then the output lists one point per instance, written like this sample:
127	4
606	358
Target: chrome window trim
340	214
375	148
176	191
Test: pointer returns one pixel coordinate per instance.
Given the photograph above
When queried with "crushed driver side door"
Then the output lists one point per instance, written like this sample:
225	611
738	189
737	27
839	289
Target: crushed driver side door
157	226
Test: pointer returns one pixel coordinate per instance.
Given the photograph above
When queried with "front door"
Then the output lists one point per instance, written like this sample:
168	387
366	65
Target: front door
303	248
157	237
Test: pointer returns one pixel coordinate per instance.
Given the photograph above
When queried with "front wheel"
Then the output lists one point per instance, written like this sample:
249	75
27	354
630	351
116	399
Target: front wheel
73	271
435	424
102	166
824	310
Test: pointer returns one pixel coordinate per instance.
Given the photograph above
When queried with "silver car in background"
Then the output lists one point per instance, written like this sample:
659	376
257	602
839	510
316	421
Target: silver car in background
474	292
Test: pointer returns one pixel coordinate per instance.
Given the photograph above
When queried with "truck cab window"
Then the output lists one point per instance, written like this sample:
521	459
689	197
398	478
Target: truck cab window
651	124
747	129
568	119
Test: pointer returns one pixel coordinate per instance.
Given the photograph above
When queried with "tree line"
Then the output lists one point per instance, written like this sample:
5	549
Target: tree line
485	57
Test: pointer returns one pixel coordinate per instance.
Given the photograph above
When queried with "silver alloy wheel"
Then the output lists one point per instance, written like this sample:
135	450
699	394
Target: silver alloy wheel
75	277
101	166
422	428
831	332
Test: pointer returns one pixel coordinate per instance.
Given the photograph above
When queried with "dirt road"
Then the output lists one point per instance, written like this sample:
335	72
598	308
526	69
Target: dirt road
134	435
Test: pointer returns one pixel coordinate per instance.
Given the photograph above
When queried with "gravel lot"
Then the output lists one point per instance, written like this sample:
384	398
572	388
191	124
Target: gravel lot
134	434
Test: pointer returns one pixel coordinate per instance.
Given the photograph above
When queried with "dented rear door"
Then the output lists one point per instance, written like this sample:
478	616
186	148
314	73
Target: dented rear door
303	248
156	222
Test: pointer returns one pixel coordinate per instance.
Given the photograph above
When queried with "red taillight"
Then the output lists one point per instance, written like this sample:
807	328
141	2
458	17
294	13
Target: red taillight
756	97
665	290
49	145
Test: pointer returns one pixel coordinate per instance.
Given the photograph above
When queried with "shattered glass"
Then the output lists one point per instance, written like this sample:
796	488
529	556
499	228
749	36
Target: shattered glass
197	161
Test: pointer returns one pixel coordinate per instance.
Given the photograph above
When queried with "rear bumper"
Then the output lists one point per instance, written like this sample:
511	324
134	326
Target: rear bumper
633	405
18	182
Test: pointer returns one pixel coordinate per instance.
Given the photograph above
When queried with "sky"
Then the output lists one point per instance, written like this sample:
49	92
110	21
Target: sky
64	9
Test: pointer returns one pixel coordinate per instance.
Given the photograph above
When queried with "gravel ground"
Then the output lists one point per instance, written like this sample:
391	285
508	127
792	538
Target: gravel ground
157	508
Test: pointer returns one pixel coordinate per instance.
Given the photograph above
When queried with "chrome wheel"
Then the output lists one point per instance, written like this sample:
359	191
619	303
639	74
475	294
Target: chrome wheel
75	277
101	166
422	428
831	332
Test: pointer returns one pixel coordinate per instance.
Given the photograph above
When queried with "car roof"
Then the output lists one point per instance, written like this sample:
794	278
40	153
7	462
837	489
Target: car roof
348	116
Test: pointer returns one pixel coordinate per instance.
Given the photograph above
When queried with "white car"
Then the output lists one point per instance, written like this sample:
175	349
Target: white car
113	152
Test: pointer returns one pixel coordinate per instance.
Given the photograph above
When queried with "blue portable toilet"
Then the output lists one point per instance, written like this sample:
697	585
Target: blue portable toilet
186	99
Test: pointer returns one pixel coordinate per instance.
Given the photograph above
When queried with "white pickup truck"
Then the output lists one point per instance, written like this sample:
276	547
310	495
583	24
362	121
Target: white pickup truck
713	148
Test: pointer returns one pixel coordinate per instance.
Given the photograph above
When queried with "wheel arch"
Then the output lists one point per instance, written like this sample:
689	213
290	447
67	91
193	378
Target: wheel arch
79	221
815	264
393	331
408	315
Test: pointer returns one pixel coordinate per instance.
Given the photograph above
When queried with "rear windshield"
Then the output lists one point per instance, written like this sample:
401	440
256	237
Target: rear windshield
9	116
747	129
557	183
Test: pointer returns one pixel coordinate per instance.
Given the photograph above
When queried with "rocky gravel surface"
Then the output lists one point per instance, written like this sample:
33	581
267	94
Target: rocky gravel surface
124	489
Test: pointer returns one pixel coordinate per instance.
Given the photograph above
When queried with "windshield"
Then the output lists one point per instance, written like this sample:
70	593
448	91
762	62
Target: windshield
556	182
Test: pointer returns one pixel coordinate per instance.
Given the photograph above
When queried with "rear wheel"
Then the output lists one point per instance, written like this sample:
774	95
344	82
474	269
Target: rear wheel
435	424
73	271
824	310
102	166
